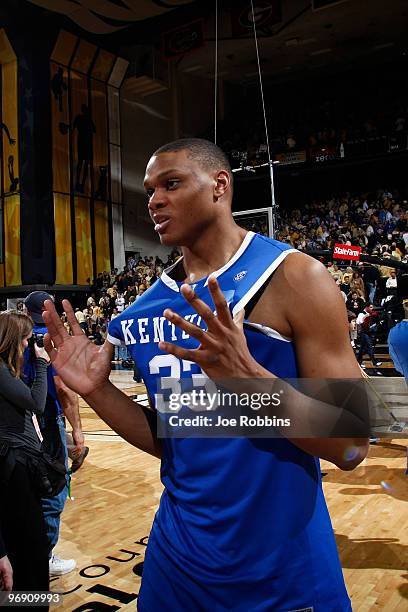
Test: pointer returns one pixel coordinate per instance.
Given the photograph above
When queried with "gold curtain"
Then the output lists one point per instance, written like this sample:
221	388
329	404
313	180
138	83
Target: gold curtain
102	236
12	240
83	240
63	239
11	174
9	118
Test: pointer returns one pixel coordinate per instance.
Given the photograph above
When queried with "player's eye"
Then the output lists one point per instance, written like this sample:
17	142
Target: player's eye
149	192
172	184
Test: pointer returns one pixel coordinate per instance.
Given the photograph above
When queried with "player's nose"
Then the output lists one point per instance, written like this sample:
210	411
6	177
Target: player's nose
156	201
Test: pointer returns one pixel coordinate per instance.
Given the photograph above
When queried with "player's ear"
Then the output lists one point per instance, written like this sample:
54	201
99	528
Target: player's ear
222	184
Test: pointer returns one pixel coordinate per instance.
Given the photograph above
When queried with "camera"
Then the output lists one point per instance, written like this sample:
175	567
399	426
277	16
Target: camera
37	339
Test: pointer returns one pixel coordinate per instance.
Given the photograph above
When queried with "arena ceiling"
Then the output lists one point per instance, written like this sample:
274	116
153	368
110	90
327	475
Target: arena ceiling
303	41
108	16
293	38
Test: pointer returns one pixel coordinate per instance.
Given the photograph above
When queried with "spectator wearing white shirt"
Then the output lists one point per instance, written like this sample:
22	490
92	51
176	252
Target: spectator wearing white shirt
120	302
392	283
81	318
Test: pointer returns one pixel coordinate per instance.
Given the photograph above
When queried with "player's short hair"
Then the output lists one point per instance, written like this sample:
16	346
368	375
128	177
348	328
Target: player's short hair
205	152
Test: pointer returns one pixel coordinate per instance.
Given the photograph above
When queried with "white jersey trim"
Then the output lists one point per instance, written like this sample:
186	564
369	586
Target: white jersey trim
172	284
261	280
244	245
268	331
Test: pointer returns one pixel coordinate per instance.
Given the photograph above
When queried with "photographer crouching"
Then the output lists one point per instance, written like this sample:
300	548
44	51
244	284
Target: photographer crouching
23	538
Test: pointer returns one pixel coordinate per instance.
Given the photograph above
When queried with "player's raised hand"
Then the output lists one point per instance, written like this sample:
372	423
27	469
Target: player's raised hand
83	366
223	350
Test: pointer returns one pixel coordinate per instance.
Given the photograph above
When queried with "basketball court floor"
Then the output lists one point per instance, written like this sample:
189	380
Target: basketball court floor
106	525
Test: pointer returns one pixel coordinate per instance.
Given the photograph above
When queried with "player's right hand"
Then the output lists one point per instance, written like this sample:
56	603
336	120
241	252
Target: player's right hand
83	366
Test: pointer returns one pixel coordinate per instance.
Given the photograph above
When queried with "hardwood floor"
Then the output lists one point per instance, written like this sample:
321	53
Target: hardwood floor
117	490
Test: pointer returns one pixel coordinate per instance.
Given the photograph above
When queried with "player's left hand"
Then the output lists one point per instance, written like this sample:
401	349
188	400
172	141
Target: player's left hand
223	350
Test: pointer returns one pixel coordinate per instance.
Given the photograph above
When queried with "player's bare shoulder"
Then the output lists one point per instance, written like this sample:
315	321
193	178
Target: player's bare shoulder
301	273
300	287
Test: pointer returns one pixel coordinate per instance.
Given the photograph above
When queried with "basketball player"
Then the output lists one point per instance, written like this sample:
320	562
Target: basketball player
242	523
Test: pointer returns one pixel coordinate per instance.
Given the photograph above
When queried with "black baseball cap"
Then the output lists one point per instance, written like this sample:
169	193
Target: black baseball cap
34	302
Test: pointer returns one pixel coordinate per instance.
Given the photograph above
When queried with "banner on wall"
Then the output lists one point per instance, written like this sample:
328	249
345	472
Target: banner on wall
293	157
183	39
267	13
345	251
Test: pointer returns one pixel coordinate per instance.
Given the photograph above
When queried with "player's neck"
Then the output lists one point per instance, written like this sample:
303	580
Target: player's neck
209	253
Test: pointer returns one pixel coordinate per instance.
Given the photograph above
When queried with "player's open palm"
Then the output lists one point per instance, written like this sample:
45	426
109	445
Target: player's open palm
83	366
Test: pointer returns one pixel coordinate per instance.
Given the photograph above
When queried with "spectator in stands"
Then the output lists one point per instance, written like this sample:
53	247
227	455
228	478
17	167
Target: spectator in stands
371	277
65	322
99	281
81	318
106	305
112	291
343	295
355	303
131	291
385	273
357	285
391	284
120	302
396	253
345	285
113	275
366	327
140	292
98	338
336	273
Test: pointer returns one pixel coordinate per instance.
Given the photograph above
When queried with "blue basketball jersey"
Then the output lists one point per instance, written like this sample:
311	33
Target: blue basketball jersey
242	523
398	347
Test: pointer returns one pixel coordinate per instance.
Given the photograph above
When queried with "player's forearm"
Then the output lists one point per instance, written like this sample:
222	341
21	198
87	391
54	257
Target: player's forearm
70	407
125	417
330	420
333	418
346	453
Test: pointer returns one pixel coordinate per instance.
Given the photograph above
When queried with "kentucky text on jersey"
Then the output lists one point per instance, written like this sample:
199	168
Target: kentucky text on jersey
156	329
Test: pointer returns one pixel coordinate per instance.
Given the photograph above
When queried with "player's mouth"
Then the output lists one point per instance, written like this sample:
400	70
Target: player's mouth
161	224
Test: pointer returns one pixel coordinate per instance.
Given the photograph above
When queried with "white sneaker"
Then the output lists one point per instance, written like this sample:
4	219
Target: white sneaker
58	566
